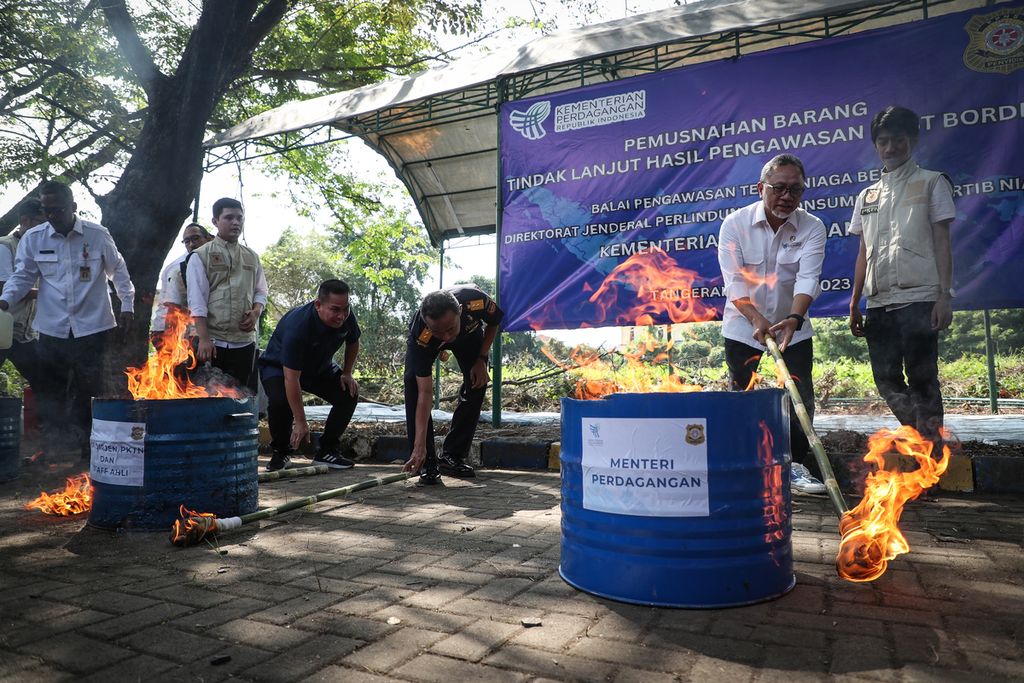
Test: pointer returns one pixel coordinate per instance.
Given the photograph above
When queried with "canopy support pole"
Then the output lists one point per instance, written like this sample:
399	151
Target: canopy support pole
437	361
502	92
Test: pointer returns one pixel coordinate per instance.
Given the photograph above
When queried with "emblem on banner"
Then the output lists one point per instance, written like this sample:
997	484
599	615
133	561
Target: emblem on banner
695	434
997	42
138	433
528	123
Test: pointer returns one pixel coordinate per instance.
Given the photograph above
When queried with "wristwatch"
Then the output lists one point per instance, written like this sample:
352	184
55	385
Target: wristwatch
798	318
950	292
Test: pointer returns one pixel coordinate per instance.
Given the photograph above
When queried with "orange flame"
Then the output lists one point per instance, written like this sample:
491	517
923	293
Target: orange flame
870	532
775	499
662	287
593	371
192	526
752	277
162	376
76	498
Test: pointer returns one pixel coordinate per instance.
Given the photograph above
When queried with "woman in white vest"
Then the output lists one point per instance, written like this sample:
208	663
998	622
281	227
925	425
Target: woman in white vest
905	268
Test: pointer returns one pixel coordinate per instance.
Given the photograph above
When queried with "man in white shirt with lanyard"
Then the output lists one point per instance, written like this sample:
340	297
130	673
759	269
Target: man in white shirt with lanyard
227	291
72	260
771	253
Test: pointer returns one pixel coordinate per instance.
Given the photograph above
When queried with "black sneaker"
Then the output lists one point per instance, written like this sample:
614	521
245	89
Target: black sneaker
334	461
278	461
454	468
430	479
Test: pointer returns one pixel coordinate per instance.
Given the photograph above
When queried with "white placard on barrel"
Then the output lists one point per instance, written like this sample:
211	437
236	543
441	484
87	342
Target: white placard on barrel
650	467
118	452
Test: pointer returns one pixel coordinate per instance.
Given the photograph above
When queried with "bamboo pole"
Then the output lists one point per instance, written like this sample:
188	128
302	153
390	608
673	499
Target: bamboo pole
288	473
831	485
194	527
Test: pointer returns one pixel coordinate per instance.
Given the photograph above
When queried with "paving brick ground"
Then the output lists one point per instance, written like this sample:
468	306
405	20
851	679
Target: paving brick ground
411	584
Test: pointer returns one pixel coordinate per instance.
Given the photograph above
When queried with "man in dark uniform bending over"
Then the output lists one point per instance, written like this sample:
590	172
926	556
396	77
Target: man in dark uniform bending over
465	321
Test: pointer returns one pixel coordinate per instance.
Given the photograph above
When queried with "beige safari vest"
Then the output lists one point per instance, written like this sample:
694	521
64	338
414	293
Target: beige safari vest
231	270
25	310
897	233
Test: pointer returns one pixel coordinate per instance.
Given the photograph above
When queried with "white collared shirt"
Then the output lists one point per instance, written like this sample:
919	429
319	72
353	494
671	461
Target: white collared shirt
170	292
768	267
72	271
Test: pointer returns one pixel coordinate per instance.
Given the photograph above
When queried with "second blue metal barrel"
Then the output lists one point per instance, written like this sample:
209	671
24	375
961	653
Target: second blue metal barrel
677	500
149	457
10	438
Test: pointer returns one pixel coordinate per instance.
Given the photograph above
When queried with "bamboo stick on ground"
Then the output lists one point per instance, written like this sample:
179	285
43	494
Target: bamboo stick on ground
288	473
195	526
829	477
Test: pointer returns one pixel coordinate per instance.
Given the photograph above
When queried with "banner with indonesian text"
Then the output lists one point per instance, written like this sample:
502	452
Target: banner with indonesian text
593	176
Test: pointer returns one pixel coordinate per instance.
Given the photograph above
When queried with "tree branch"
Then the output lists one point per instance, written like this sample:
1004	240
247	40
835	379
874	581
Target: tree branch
138	56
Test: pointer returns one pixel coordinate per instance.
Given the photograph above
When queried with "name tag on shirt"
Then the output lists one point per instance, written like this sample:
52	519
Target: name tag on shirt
46	257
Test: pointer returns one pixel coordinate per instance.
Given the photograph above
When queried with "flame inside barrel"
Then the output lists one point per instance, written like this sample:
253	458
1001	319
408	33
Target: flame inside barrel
165	376
870	532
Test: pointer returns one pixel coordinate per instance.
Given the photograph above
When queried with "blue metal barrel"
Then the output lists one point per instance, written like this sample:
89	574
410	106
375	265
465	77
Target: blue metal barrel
677	500
149	457
10	438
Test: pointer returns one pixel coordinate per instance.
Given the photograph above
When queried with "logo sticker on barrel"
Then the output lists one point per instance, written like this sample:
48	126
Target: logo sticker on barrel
649	467
695	434
118	452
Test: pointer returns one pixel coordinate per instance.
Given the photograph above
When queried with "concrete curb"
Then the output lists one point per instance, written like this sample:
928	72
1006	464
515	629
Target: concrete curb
982	473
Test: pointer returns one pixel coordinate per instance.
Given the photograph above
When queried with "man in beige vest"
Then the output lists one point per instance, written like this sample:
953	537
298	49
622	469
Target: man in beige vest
23	347
905	268
227	292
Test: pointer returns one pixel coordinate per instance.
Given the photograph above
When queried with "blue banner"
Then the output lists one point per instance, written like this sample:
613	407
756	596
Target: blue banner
652	164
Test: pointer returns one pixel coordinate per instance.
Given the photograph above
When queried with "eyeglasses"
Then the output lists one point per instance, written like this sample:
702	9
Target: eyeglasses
191	238
780	189
54	210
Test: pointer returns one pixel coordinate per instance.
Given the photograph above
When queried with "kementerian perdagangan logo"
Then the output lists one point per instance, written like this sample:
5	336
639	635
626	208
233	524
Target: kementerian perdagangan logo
529	123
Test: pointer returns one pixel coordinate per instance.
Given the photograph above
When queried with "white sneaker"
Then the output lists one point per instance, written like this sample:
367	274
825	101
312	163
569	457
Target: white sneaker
800	479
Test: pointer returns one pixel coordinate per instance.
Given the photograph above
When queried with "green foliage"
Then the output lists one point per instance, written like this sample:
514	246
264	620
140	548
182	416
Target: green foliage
383	257
71	105
11	382
295	266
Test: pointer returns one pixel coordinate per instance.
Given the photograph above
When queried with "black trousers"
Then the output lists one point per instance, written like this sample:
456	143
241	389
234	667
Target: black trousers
280	416
743	360
70	375
903	341
24	357
467	412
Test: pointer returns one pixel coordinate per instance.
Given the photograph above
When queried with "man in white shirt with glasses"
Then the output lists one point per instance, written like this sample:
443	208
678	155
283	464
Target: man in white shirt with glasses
771	253
73	260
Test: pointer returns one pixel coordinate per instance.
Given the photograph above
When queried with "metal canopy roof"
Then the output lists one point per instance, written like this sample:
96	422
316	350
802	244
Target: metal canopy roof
438	129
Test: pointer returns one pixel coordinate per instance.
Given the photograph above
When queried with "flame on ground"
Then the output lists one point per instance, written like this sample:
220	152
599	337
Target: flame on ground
870	532
76	498
163	376
193	527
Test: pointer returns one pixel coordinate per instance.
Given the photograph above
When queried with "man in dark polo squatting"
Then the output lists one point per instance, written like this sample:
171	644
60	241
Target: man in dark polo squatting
463	320
905	268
